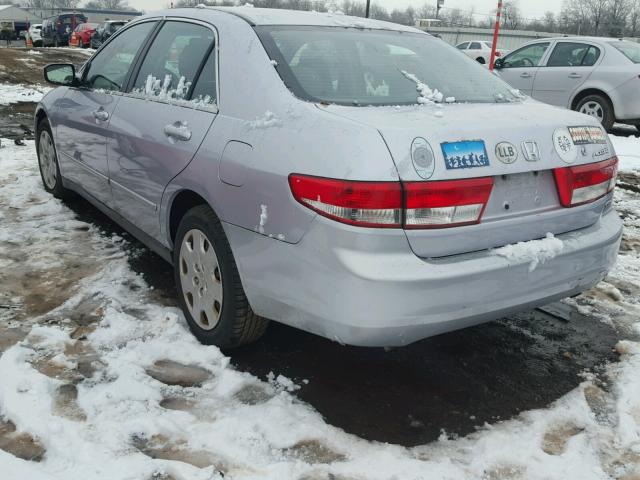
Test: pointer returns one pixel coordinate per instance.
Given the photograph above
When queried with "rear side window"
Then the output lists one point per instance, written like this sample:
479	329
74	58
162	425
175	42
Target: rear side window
205	88
174	60
569	54
628	49
109	69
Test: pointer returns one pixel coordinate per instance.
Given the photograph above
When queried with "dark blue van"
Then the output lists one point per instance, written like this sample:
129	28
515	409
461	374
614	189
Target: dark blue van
57	30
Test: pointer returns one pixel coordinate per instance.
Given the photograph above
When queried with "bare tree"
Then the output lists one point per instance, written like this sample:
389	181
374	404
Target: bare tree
511	18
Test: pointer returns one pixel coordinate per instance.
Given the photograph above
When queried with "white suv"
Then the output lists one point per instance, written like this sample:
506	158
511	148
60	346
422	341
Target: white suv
34	34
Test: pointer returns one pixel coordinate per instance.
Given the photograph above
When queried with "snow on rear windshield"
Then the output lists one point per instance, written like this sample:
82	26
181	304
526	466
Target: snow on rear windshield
629	49
354	66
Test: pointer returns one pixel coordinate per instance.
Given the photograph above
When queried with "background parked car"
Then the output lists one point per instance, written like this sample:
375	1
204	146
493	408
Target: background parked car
596	76
56	30
34	33
480	51
104	31
81	36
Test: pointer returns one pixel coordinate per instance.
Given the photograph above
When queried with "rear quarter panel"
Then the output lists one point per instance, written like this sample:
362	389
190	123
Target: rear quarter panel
287	135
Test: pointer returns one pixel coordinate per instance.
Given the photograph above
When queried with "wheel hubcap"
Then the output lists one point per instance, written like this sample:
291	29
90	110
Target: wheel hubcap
47	159
594	109
201	279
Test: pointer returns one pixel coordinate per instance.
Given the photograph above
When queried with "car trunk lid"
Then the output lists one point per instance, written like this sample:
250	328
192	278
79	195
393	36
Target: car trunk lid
524	203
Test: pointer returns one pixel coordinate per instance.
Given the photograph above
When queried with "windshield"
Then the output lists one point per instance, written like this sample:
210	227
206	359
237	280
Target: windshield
629	49
350	66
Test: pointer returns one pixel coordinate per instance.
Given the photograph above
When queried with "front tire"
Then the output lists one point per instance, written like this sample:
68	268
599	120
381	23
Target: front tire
599	107
48	161
209	288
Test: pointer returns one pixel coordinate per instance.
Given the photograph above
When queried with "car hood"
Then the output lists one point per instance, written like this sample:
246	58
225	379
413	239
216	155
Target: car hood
515	123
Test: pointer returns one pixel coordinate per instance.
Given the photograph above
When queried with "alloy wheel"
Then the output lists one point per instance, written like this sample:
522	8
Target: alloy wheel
201	279
593	109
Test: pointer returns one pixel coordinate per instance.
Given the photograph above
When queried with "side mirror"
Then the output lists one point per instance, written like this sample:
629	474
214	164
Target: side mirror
61	74
499	63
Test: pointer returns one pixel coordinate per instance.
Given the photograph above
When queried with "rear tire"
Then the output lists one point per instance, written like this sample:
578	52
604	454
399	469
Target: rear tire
48	161
209	288
599	107
481	60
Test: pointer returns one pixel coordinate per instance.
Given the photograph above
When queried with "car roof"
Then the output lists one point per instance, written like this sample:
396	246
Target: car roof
273	16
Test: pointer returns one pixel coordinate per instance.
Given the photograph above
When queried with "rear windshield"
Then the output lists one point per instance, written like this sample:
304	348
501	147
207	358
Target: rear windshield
69	19
629	49
351	66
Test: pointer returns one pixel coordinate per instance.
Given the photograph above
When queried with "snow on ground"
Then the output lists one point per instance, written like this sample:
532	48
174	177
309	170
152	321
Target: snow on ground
10	93
108	383
628	150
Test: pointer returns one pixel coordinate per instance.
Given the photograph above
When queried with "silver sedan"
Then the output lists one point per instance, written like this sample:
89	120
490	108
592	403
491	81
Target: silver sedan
593	75
353	178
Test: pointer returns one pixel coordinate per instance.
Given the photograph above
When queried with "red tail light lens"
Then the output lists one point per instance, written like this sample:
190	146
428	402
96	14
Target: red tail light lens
447	203
385	204
366	204
585	183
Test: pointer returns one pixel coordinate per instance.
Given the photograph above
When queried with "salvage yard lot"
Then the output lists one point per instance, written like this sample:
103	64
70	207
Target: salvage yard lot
100	378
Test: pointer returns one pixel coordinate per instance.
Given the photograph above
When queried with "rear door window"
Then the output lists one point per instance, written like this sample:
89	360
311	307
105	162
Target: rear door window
568	54
109	68
174	61
475	46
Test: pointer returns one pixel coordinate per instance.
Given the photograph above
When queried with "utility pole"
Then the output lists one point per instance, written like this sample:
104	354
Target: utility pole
439	5
496	31
366	13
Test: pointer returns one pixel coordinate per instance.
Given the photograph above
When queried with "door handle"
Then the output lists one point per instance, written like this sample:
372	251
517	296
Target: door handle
178	131
101	114
575	75
525	75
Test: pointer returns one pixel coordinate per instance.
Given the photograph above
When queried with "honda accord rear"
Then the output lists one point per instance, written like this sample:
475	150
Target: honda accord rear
356	179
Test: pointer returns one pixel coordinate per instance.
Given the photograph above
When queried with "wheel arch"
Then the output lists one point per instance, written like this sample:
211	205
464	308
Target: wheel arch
589	91
181	202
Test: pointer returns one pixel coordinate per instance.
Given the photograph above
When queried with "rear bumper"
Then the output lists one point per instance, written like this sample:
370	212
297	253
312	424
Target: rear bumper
369	289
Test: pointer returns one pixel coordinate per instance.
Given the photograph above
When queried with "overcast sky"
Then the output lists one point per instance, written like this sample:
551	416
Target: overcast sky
528	8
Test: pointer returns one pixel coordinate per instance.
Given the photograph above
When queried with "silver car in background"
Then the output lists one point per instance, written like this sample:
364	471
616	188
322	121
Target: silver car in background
593	75
349	177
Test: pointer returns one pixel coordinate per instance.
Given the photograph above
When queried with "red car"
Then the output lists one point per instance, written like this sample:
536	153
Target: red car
81	36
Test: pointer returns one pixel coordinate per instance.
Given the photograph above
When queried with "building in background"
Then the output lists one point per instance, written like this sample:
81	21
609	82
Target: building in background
508	40
20	17
93	15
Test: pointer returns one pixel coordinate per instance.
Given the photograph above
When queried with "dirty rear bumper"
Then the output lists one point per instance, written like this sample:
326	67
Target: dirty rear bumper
369	289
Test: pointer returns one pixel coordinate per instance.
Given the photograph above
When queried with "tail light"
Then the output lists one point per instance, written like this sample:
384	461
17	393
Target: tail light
447	203
411	205
498	54
366	204
585	183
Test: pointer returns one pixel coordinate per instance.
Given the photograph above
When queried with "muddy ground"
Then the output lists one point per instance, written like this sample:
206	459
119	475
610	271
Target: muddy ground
17	66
